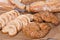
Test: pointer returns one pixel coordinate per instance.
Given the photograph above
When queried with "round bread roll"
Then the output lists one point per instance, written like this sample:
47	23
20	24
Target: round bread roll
43	6
36	30
49	17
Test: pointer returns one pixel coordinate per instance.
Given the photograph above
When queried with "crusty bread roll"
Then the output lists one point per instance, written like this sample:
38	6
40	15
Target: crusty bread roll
8	16
36	30
37	18
46	17
44	6
49	17
18	4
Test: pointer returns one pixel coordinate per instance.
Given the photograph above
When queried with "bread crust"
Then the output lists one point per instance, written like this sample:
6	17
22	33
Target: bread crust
36	30
27	2
44	6
49	17
37	17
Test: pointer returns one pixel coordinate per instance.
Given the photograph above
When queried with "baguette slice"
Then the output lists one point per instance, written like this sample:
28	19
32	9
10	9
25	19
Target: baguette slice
10	29
6	17
16	24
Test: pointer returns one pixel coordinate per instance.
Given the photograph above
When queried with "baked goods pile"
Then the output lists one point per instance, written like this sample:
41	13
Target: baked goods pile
33	21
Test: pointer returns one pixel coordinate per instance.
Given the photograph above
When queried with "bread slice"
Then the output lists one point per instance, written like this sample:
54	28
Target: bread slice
6	17
10	29
27	2
16	24
23	20
5	30
30	16
36	30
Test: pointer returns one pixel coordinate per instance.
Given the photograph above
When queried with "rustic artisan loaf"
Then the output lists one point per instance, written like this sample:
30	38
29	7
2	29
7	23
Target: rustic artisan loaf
44	6
36	30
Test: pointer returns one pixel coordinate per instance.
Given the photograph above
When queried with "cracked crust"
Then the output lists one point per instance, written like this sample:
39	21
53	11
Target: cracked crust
37	18
27	2
43	6
49	17
35	30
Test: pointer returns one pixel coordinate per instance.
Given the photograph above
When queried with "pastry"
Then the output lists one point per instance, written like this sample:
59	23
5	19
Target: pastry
8	16
18	23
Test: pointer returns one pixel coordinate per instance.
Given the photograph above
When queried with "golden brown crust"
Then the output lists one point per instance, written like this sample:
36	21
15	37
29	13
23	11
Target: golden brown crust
35	6
27	30
29	1
34	30
49	17
45	28
37	18
44	6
